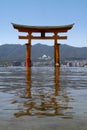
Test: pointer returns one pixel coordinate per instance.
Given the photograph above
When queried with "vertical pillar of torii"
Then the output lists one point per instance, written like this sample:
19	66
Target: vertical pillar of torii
28	52
57	55
56	52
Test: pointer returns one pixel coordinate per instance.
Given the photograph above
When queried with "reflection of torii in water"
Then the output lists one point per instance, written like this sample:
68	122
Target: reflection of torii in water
49	105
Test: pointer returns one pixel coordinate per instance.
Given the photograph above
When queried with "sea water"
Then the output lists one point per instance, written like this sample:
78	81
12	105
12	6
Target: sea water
39	98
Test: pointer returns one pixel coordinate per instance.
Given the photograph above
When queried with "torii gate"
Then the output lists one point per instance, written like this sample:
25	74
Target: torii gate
43	30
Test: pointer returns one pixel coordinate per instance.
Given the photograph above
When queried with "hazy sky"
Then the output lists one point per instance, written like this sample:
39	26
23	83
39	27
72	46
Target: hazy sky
44	12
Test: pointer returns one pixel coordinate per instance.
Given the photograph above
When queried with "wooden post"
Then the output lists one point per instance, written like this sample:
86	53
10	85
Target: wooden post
28	52
56	52
28	55
57	55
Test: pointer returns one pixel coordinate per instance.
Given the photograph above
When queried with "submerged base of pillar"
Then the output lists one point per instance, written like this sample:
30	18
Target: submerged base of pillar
57	65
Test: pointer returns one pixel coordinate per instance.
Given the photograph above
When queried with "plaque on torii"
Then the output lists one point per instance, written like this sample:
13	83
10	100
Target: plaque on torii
43	30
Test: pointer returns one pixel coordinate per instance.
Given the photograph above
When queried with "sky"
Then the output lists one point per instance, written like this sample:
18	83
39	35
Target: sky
44	13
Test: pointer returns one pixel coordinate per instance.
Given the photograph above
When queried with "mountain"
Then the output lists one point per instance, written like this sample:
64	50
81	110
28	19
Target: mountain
11	52
16	52
73	53
39	50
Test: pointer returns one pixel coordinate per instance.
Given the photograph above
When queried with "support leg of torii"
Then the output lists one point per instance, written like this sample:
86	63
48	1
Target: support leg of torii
56	55
28	55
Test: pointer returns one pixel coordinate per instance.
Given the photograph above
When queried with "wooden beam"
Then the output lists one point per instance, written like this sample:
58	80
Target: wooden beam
23	37
60	37
26	28
39	37
46	37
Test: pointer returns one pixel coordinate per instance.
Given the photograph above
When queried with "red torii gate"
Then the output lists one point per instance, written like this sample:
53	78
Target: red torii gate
43	29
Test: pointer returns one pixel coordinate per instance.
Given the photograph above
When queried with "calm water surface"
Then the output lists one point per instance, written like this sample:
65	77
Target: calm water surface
43	98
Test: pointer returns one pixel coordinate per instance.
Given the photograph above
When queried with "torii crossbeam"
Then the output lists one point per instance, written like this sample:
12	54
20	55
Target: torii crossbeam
43	30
